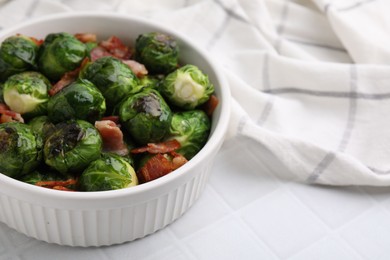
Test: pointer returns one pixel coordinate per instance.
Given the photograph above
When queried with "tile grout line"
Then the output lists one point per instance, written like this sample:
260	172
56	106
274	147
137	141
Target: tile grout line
181	243
235	214
329	230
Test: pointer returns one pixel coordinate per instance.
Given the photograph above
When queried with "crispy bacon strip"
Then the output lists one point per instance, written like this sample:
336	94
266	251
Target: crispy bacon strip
86	37
67	78
8	115
160	165
178	160
57	185
210	105
164	147
116	47
138	68
112	137
99	52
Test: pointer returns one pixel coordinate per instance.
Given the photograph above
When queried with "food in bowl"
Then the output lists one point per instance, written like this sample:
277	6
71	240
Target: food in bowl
121	215
99	115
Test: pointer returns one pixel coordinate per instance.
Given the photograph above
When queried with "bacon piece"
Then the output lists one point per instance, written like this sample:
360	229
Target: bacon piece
163	147
116	47
57	185
7	115
156	167
67	78
112	137
178	160
86	37
160	165
138	68
210	105
99	52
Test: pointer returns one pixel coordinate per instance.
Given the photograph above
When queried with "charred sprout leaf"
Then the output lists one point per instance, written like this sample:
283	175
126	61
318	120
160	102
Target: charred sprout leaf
60	53
72	146
113	78
111	172
191	129
17	53
158	52
79	100
26	93
42	126
146	116
187	87
20	149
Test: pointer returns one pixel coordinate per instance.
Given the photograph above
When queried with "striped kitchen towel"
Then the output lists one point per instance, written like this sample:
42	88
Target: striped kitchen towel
310	80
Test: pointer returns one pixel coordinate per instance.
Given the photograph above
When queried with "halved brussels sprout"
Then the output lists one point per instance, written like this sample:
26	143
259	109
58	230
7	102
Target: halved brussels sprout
158	52
187	87
113	78
111	172
72	146
18	53
20	149
60	53
79	100
146	116
27	93
191	129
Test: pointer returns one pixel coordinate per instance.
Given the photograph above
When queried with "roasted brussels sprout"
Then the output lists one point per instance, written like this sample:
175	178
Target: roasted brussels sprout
42	126
72	146
17	54
187	87
27	93
113	78
191	129
20	149
158	52
146	116
60	53
111	172
79	100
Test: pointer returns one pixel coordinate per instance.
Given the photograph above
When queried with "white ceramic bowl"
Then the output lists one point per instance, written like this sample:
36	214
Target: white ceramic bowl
112	217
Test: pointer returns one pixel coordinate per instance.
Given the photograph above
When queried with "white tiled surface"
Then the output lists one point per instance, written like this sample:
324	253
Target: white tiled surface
248	213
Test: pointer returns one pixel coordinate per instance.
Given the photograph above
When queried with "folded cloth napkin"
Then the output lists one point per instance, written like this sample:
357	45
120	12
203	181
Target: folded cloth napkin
310	80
